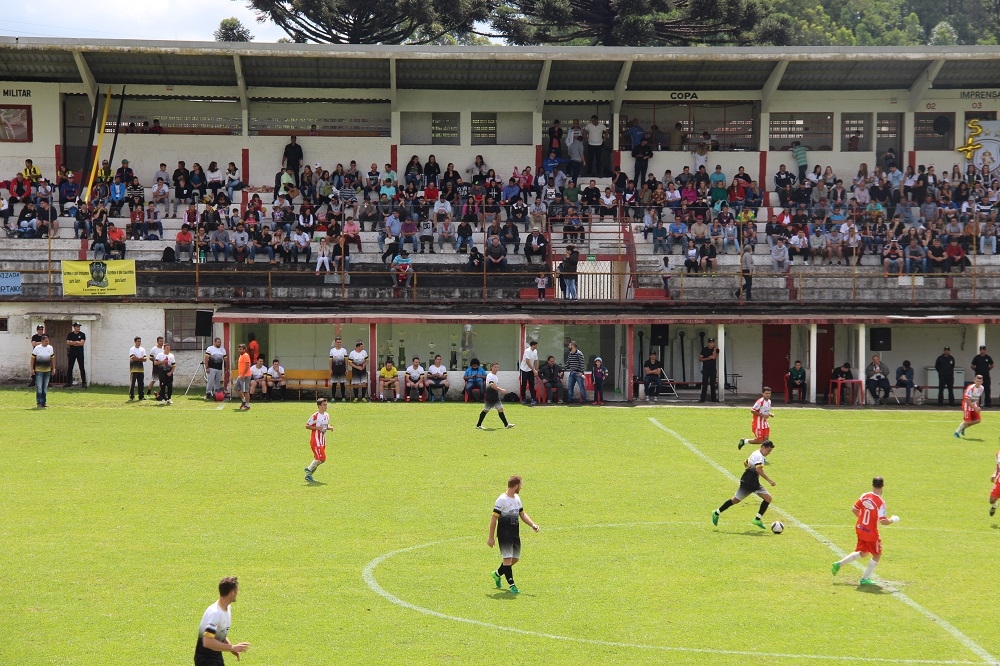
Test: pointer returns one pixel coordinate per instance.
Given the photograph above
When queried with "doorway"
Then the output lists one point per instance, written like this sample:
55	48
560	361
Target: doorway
777	348
824	358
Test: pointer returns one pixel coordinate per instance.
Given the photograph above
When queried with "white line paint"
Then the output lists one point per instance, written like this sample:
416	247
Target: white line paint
944	624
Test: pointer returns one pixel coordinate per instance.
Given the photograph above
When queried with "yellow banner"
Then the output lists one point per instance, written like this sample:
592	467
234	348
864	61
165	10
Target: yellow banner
99	278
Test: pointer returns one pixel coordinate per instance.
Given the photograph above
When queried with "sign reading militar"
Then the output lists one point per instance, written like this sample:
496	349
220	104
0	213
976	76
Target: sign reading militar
99	278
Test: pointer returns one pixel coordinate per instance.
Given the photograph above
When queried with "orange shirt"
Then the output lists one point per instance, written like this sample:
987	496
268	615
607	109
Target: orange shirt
244	365
254	349
870	508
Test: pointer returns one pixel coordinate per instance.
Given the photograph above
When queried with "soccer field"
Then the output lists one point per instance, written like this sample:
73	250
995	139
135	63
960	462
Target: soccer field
118	520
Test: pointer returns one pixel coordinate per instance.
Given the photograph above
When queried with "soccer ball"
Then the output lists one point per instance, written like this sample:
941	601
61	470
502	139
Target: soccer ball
220	396
777	527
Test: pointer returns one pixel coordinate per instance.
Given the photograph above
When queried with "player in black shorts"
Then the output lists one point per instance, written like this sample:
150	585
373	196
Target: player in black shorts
493	393
750	484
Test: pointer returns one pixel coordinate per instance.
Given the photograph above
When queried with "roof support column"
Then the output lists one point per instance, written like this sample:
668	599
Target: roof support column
540	90
394	122
244	101
616	105
86	76
924	83
812	362
767	95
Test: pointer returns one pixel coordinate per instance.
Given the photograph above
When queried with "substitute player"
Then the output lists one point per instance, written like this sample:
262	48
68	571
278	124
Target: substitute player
318	423
750	484
504	522
995	493
971	411
214	628
155	372
761	411
870	510
359	371
338	370
493	393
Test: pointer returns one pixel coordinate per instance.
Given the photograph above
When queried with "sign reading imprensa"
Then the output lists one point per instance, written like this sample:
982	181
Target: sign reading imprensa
99	278
10	284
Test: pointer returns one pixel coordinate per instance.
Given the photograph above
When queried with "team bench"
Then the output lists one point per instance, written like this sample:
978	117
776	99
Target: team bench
310	381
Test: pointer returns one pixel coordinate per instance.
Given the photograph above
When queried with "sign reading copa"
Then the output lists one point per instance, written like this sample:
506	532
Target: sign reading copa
10	284
99	278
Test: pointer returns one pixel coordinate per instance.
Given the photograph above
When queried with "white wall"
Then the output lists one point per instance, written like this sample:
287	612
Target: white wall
46	129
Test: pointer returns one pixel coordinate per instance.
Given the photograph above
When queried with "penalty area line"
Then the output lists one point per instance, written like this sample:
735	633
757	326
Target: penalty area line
368	575
955	632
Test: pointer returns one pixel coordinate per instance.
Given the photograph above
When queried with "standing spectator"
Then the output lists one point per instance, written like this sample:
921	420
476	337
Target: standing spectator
292	158
904	378
709	359
215	362
876	376
945	366
136	359
746	271
576	366
599	373
165	363
982	364
642	153
568	271
801	159
529	372
43	365
75	341
595	132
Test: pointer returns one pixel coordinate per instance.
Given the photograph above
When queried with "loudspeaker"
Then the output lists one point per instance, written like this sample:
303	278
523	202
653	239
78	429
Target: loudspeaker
659	335
942	125
203	323
881	339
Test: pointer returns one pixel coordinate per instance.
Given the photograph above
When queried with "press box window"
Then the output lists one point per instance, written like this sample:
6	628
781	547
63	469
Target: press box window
812	130
934	131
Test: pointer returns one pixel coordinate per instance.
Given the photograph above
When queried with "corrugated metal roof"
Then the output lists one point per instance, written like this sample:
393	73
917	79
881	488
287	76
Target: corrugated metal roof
172	69
330	72
874	74
32	65
968	74
584	75
464	74
700	75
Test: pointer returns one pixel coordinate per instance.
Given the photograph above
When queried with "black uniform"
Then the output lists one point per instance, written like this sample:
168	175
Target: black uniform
982	363
76	356
945	366
709	374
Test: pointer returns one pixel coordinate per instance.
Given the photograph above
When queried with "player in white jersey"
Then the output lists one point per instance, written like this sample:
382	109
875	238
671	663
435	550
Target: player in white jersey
437	377
213	630
258	377
493	401
155	373
761	411
318	424
136	359
971	411
415	378
358	360
338	370
750	484
275	378
507	512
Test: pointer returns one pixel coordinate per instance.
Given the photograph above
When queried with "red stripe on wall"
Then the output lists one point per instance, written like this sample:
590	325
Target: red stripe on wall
245	170
762	178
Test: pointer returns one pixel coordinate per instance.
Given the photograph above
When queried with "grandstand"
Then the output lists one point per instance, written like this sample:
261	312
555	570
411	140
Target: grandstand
224	103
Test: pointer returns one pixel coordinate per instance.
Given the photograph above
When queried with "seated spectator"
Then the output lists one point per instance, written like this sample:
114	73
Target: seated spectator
415	380
510	236
573	229
988	239
116	240
708	258
323	255
476	263
81	223
535	245
956	255
551	375
799	247
184	242
877	379
69	192
496	255
152	221
47	220
677	234
537	214
797	381
692	260
892	258
464	233
653	376
661	240
340	254
916	257
99	240
402	271
475	381
261	242
437	379
937	257
20	190
780	262
843	373
409	233
301	245
239	247
258	377
388	380
904	378
274	380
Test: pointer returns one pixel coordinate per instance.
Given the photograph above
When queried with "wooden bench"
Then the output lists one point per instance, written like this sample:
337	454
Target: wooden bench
311	381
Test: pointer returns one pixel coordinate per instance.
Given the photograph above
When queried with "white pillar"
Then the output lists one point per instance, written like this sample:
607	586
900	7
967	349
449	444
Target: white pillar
862	351
720	343
812	362
980	336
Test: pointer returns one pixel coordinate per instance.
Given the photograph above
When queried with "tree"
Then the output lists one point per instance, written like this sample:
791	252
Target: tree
371	21
943	35
639	22
231	30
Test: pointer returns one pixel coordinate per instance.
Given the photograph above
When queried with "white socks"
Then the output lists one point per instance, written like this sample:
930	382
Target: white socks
850	558
313	465
870	569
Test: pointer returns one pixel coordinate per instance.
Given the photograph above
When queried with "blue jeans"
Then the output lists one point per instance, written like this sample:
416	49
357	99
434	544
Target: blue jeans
988	242
913	264
574	378
650	381
41	387
99	251
220	247
570	288
238	185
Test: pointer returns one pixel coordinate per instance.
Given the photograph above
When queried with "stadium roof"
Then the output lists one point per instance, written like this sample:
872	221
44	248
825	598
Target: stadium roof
247	66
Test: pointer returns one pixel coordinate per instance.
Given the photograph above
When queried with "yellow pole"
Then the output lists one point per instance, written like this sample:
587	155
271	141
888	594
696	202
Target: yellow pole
100	141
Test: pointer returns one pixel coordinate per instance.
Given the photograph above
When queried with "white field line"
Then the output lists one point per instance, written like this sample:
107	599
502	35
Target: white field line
944	624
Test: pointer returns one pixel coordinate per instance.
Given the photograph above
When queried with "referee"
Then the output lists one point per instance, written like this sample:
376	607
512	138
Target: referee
507	512
214	628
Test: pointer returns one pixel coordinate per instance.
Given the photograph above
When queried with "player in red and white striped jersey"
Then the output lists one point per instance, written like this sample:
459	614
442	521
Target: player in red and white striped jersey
971	412
761	411
318	423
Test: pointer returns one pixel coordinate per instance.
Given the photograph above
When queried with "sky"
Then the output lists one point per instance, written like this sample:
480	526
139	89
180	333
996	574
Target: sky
174	20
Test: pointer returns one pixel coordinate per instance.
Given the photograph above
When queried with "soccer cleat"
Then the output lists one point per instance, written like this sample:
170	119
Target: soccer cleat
758	523
509	426
741	444
514	590
957	436
170	402
309	478
715	517
836	568
479	427
497	579
993	509
866	581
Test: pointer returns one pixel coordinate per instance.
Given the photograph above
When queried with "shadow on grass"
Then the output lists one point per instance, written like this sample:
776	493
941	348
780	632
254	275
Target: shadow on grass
971	439
504	595
872	589
310	484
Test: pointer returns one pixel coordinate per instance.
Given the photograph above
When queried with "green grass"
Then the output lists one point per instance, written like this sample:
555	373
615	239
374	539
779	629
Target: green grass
118	519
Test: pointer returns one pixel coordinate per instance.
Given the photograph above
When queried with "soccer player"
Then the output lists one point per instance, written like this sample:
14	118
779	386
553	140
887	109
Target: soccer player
493	392
971	411
136	359
318	423
258	377
215	363
155	373
995	493
761	411
214	628
165	364
275	378
870	510
359	371
507	511
415	378
750	484
243	377
437	377
338	370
